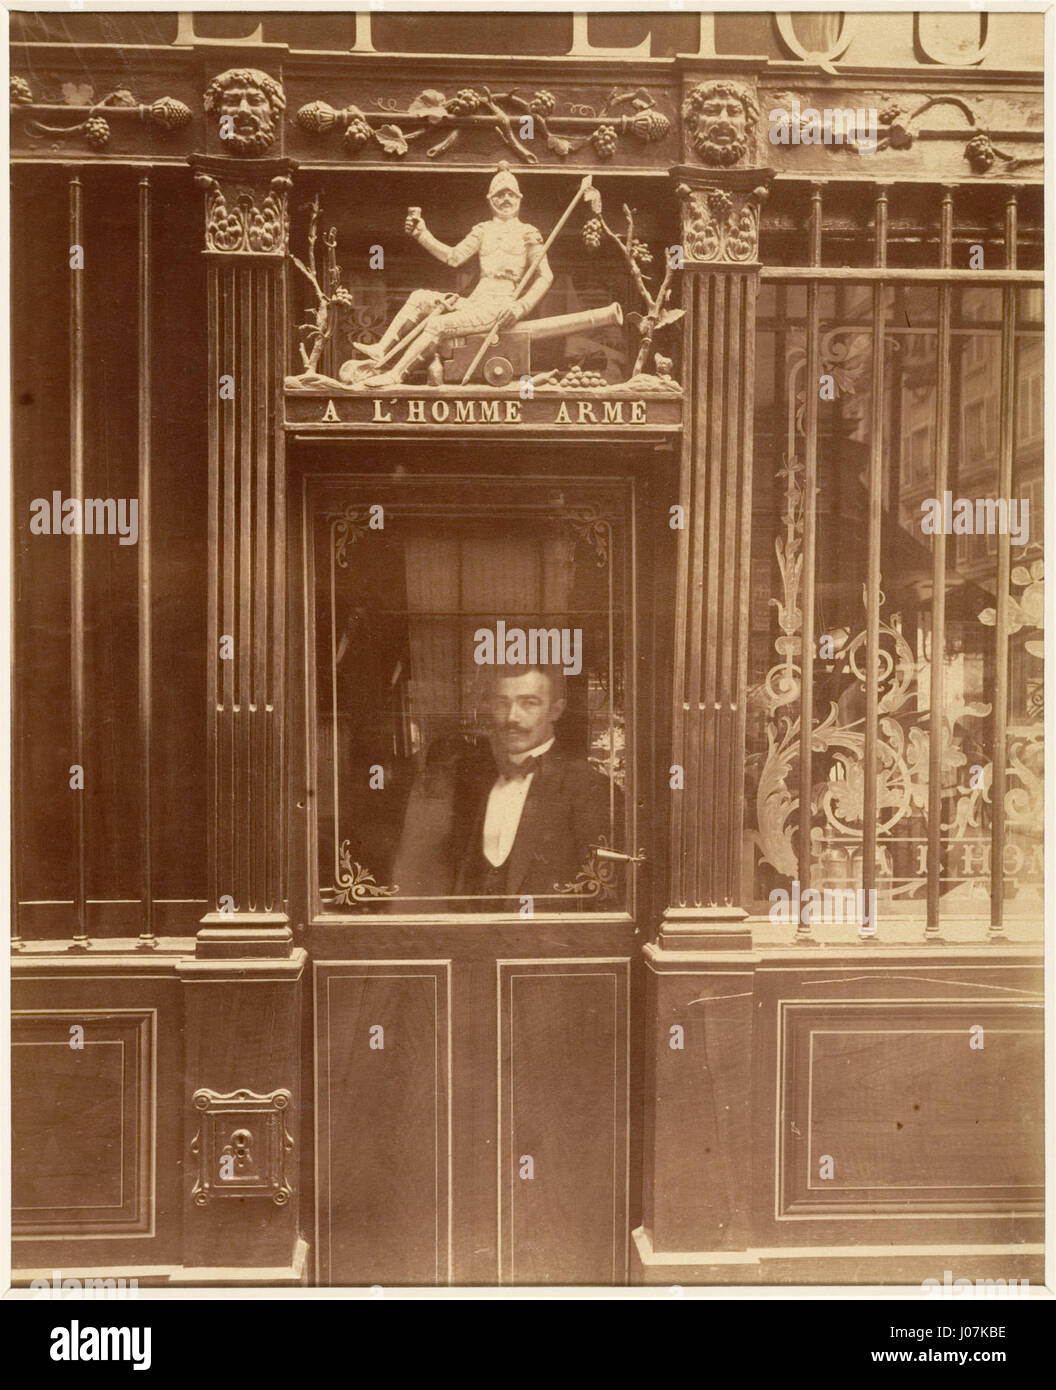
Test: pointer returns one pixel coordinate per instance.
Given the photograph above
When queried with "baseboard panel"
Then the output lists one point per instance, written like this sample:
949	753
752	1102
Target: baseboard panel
180	1276
906	1266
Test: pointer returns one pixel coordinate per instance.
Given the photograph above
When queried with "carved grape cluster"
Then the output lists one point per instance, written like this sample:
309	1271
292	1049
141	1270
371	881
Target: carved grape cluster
464	102
357	134
20	92
604	141
542	103
227	228
592	233
97	132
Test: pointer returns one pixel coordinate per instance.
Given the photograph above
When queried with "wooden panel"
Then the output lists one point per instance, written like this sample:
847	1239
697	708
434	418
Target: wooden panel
383	1130
698	1105
563	1080
83	1122
910	1113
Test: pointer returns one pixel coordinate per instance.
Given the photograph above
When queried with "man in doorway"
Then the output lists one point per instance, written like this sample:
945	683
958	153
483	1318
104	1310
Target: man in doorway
506	247
528	825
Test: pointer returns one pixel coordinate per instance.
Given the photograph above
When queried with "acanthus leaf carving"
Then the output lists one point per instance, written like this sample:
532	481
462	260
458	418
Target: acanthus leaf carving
241	219
720	224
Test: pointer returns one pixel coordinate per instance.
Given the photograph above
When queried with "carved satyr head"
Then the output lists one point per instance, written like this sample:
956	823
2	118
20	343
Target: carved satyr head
720	118
247	104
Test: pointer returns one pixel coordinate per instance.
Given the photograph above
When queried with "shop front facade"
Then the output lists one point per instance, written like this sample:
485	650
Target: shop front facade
297	997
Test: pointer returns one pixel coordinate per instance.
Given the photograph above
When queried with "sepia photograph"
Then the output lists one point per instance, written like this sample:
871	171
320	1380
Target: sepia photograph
527	642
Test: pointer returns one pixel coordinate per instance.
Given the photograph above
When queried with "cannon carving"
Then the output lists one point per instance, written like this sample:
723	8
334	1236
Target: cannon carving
511	353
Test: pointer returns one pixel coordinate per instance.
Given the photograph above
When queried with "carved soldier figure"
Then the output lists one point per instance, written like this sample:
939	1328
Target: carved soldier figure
506	247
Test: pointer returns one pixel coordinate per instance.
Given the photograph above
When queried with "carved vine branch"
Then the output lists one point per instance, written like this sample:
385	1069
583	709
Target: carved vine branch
513	117
636	254
166	113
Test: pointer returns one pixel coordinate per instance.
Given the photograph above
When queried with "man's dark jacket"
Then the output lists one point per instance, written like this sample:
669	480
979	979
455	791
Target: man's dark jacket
565	812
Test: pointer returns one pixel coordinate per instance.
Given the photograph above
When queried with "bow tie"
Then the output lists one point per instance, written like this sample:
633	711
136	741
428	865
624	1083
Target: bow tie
514	772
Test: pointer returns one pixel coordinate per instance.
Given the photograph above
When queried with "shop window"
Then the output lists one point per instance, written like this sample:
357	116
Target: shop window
928	792
457	627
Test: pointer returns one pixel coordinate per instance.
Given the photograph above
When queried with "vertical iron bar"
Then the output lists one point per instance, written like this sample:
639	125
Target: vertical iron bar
77	672
810	515
872	579
147	939
1004	565
938	579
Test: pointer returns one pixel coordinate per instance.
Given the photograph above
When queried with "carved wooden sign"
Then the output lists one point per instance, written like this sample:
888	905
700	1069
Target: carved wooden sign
484	411
476	351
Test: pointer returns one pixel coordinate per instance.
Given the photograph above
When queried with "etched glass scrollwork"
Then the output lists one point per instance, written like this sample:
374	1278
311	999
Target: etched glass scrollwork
837	666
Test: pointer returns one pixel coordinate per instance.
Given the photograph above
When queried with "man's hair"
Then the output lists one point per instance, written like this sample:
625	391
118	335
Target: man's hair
554	674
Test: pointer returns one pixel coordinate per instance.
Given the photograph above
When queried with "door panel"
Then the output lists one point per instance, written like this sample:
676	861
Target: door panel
506	1014
384	1138
563	1167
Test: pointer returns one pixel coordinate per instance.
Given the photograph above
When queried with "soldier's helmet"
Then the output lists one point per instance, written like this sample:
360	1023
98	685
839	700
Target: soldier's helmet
504	179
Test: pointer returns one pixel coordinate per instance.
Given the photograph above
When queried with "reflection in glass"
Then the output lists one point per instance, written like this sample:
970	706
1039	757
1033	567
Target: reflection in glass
470	697
969	659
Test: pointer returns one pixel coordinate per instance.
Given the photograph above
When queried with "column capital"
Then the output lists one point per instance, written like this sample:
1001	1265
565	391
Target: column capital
720	214
246	205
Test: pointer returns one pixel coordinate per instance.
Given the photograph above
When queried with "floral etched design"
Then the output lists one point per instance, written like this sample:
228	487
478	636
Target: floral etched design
355	884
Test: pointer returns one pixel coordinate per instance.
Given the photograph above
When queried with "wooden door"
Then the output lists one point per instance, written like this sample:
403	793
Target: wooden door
472	1024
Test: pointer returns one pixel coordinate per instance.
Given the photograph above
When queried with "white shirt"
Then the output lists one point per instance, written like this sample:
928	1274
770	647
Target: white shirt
505	807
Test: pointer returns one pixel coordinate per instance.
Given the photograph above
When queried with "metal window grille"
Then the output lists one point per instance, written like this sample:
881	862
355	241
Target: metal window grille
876	236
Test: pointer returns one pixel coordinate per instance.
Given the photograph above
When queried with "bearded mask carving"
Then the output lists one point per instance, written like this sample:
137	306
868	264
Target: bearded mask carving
720	118
247	104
